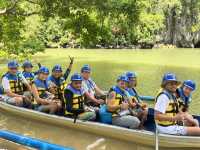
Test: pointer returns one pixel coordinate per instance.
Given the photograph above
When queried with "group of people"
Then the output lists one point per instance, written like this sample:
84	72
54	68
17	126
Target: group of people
82	98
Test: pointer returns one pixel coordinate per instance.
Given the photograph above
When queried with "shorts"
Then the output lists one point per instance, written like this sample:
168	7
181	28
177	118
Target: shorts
173	130
127	121
9	100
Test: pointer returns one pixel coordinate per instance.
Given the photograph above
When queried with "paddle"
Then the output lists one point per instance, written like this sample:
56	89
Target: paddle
75	117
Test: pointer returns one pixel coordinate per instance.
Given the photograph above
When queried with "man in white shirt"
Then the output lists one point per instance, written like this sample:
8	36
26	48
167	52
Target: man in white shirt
167	116
92	90
13	83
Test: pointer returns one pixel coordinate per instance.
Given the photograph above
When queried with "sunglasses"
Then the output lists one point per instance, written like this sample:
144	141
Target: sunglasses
13	68
173	83
77	83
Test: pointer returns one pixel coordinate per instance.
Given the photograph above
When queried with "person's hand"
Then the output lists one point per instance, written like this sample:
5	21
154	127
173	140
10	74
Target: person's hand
143	105
124	106
19	101
133	105
71	60
100	101
179	117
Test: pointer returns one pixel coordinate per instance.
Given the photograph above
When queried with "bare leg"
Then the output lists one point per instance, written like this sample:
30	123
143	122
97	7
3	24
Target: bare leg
53	108
193	131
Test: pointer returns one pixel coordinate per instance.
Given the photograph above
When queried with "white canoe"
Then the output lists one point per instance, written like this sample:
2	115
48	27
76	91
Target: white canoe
136	136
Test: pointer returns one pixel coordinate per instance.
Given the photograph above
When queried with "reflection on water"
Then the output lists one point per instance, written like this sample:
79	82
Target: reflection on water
66	137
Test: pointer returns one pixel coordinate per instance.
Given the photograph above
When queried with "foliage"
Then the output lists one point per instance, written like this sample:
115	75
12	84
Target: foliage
89	23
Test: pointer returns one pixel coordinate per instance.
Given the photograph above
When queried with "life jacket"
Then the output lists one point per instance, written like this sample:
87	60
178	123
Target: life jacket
42	87
16	84
29	76
1	90
182	99
172	108
60	86
77	101
119	98
133	93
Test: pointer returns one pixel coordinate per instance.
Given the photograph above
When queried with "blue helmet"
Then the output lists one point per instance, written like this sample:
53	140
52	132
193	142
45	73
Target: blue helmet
131	74
57	68
27	64
86	68
43	69
123	78
190	84
76	77
13	64
169	77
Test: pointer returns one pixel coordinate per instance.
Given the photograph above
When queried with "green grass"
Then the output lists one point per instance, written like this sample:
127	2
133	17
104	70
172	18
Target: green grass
150	65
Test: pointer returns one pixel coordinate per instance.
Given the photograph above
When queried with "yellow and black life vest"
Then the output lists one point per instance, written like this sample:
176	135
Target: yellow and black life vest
60	86
183	100
16	84
42	87
172	108
76	102
119	98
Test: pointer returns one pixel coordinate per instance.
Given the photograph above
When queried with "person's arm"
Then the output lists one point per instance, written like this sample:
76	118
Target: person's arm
98	91
37	97
28	87
92	98
11	94
67	72
25	82
160	109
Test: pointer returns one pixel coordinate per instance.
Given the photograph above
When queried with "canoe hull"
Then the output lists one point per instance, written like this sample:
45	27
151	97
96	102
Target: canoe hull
136	136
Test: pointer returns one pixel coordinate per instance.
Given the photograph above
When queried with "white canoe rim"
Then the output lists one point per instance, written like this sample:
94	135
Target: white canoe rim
136	136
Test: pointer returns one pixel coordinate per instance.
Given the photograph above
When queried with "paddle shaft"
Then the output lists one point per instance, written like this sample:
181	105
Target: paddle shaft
156	140
75	117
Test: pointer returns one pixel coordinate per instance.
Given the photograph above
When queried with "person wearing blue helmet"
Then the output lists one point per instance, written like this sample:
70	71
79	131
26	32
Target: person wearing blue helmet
94	92
184	96
43	99
141	109
58	80
120	104
27	71
74	95
132	83
13	83
167	116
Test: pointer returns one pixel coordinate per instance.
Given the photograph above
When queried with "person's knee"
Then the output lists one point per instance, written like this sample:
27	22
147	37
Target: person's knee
93	116
53	109
18	101
134	122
